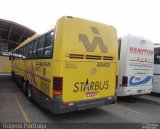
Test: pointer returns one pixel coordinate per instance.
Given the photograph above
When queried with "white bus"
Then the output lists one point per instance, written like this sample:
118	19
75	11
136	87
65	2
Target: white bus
136	61
156	75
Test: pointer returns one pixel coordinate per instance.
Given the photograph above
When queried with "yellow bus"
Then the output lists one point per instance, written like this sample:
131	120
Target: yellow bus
5	65
71	67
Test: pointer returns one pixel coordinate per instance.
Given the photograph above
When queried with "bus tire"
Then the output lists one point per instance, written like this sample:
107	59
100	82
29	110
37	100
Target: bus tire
13	75
29	93
24	87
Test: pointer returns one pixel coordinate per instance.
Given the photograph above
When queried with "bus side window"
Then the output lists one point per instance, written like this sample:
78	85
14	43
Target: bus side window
30	49
15	54
27	48
22	56
25	51
20	52
40	46
48	44
34	48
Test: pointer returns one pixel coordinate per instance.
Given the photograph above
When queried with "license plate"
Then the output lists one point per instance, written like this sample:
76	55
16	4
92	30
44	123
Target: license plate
139	91
91	94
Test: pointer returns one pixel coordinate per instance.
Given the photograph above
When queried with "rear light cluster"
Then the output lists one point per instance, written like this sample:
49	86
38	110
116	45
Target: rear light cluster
57	85
124	81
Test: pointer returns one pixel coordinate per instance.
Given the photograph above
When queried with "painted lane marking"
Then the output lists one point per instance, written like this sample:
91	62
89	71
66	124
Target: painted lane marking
24	114
130	110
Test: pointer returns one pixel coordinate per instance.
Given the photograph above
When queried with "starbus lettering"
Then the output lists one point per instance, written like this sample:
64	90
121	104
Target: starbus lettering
90	86
141	51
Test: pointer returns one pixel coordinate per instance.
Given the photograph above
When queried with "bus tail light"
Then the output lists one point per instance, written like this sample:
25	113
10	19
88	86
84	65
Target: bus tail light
57	85
124	81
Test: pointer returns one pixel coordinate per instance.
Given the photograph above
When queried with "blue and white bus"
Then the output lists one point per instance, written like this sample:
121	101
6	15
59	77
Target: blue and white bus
136	61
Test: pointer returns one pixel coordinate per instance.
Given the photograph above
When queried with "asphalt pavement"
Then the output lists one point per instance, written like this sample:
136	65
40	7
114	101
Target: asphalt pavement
135	111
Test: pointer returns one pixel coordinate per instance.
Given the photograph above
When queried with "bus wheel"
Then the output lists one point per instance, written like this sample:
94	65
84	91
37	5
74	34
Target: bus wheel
29	93
24	87
12	74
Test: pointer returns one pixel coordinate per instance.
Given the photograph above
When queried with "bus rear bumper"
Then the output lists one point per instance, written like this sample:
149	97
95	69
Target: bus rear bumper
58	107
139	90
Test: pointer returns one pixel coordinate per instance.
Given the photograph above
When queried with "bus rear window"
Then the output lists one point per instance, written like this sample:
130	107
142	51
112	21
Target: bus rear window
48	44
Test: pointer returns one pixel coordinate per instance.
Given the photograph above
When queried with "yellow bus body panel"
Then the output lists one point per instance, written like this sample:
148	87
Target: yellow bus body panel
84	80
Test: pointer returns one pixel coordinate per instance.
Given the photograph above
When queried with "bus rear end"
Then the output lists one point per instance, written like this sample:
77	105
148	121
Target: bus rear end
85	65
137	74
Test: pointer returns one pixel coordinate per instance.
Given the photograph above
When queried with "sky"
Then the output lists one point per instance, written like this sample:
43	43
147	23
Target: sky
136	17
